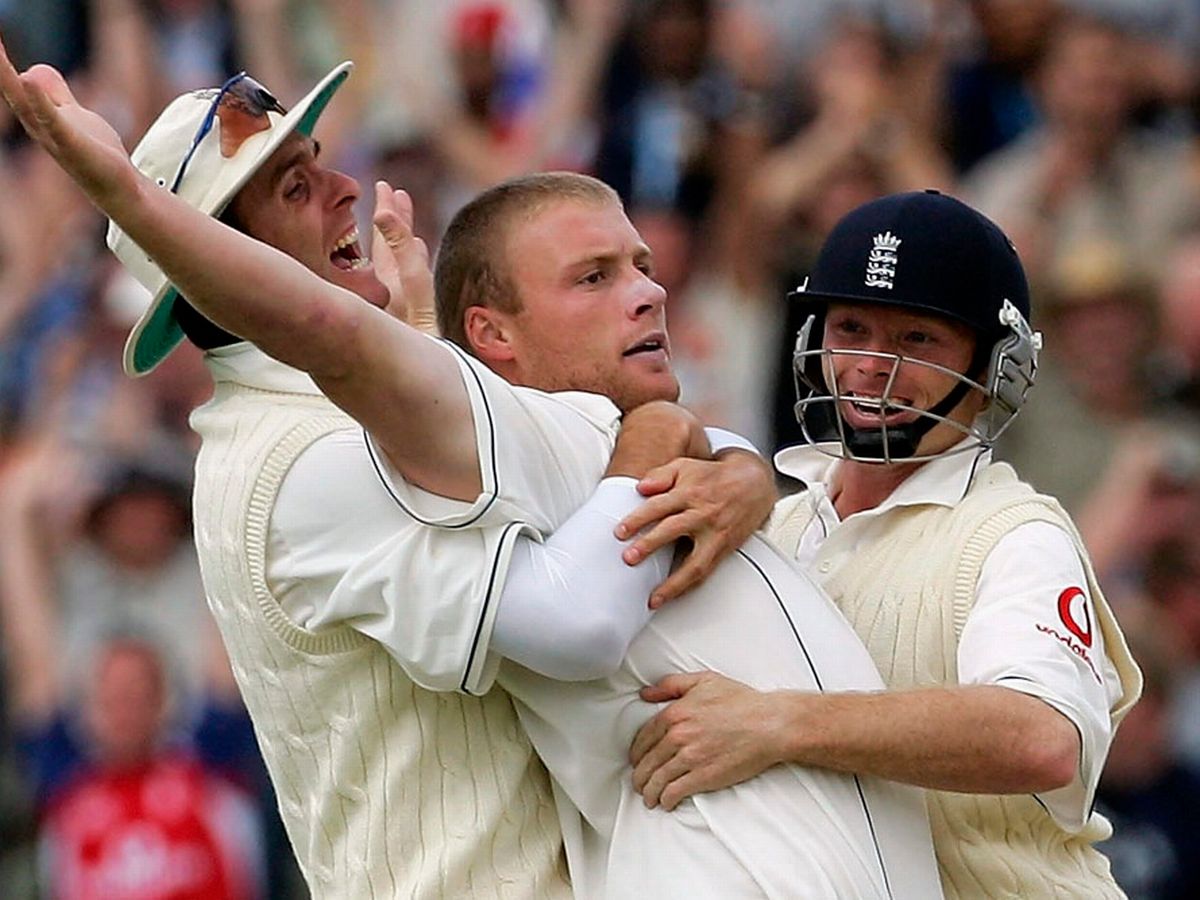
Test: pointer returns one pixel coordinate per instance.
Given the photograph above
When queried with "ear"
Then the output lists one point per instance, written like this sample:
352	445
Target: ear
488	334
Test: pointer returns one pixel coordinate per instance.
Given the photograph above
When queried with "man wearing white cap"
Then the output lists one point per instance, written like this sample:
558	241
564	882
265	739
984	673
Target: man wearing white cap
386	789
331	708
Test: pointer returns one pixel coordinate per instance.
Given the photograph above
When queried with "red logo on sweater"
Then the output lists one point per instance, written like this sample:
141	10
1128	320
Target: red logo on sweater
1069	618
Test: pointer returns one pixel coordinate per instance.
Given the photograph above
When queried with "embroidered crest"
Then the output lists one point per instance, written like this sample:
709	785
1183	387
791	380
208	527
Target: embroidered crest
881	264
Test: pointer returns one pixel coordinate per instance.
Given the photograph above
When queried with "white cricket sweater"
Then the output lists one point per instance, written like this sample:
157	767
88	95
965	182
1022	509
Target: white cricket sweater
386	790
907	596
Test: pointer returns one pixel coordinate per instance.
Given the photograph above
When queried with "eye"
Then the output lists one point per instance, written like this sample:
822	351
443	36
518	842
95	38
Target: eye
920	337
297	190
848	326
594	277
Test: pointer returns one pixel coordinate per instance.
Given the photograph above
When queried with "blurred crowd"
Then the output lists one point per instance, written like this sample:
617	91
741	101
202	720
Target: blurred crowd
738	132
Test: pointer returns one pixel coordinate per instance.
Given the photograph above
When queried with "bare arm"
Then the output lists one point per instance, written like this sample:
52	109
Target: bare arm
403	387
124	59
28	605
975	739
581	49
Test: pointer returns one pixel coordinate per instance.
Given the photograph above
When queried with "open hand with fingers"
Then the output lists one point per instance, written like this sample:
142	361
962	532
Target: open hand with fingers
402	260
716	732
715	505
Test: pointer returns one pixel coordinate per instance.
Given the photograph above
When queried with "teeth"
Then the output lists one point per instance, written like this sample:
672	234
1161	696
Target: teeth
644	347
876	406
345	241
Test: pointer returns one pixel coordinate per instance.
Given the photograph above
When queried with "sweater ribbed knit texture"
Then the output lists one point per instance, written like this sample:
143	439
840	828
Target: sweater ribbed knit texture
908	595
386	790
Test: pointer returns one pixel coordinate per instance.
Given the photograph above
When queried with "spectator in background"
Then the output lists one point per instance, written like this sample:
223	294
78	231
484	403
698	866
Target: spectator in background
135	564
1177	381
195	41
483	90
860	141
125	811
667	109
1173	587
1140	525
515	113
47	254
989	100
1098	314
723	332
1150	797
1085	172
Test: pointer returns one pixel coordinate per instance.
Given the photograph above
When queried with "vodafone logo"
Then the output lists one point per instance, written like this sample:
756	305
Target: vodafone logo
1077	618
1072	614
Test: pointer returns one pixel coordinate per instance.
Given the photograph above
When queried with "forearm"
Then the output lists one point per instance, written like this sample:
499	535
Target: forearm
570	606
244	285
580	55
28	620
397	383
979	739
790	176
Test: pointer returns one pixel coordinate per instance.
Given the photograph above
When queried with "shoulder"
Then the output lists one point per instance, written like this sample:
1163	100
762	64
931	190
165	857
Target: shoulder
335	484
596	408
494	395
997	489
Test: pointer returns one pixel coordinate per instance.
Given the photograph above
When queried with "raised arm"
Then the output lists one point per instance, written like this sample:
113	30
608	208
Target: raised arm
29	623
403	387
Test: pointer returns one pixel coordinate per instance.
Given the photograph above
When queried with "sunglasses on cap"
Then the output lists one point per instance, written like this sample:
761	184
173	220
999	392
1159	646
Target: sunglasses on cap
241	104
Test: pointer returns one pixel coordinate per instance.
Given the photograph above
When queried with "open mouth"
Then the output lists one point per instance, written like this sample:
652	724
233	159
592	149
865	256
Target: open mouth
654	343
877	411
347	254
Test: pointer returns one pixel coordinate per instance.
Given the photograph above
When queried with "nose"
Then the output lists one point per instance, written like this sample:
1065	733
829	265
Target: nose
648	296
872	366
343	190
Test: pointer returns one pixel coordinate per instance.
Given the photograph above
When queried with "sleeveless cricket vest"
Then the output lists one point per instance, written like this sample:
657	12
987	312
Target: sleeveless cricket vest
386	790
907	595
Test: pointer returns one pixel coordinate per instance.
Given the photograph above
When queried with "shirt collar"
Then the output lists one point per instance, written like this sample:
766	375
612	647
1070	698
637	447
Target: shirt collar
942	481
245	364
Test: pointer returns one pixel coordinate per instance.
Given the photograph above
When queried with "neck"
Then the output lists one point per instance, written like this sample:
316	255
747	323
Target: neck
857	486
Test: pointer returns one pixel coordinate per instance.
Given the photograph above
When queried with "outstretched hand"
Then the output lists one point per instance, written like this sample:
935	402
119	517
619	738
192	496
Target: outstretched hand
402	260
83	143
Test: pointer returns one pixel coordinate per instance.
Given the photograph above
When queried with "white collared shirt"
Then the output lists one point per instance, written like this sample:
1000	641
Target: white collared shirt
1022	582
432	596
757	618
332	516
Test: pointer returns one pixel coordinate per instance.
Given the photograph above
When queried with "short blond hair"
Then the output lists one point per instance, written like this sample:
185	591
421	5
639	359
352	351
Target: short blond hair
472	268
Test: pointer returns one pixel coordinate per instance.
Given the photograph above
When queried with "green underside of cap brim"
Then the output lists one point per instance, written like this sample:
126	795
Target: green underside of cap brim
309	120
162	333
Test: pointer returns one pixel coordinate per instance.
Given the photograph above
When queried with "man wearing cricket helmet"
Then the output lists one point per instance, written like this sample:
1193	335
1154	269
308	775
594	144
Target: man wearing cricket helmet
1007	672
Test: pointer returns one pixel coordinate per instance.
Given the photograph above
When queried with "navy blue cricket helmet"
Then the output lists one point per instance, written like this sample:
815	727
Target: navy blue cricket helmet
927	253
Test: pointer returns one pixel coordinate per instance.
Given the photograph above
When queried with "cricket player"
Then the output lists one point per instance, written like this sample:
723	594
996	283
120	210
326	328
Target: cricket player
1007	671
468	449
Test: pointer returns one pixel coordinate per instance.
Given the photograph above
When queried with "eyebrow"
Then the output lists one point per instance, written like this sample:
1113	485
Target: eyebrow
641	253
